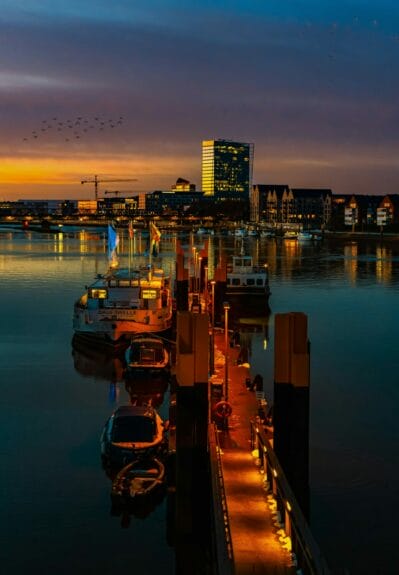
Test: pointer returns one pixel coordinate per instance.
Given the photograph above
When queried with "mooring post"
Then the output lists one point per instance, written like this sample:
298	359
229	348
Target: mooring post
291	402
192	397
181	284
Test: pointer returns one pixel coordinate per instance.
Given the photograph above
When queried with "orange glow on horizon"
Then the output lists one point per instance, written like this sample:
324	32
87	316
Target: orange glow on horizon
42	176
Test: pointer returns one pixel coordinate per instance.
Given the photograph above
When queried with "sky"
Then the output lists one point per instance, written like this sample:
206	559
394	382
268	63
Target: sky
128	90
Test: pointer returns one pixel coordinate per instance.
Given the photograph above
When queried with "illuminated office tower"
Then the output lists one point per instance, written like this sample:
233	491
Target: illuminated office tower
226	167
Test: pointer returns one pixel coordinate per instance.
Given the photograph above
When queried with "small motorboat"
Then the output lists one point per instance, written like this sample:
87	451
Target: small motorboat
138	479
147	354
132	432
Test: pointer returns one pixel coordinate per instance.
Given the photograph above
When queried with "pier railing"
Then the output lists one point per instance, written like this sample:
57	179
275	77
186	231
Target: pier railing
306	555
223	548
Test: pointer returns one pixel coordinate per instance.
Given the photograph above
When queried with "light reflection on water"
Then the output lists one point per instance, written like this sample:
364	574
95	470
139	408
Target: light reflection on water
55	400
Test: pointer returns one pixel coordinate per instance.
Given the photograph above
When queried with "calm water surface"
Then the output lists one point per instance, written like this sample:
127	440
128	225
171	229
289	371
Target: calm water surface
54	401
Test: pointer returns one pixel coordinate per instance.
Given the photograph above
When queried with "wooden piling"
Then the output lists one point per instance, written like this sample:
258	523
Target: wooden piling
291	402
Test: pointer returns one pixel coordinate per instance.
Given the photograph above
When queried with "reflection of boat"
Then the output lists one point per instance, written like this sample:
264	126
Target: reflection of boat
147	355
247	284
89	362
122	303
131	432
139	507
146	391
138	479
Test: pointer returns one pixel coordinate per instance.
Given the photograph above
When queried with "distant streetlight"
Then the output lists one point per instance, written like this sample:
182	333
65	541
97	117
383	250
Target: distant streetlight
194	269
226	307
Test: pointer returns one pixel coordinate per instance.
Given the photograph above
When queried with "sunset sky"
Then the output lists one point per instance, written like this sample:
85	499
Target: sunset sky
130	89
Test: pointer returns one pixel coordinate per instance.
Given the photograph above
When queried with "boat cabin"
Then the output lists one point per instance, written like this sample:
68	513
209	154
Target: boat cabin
134	424
148	351
137	289
242	272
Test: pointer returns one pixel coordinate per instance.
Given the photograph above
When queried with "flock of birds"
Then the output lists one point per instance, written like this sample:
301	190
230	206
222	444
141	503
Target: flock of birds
73	129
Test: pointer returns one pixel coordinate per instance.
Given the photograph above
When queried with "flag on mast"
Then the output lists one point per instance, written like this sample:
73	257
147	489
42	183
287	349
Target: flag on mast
155	236
113	242
155	233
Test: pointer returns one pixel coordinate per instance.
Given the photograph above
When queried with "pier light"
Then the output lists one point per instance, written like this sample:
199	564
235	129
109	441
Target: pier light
199	274
226	307
274	472
288	505
212	338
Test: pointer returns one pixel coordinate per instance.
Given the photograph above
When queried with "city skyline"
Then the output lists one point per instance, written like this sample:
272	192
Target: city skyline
311	85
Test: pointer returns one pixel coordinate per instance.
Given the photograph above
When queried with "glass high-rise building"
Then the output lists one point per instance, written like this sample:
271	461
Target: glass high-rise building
226	167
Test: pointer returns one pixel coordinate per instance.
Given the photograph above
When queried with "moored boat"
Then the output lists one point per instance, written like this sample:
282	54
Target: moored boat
247	284
147	355
138	479
123	302
132	432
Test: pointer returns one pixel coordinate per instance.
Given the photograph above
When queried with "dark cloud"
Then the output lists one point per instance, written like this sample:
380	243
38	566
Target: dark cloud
313	87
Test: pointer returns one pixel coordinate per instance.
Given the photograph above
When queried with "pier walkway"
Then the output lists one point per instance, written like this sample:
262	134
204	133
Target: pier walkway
255	532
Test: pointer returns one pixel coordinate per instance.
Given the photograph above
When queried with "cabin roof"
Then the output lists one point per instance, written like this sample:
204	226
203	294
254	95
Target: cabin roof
134	410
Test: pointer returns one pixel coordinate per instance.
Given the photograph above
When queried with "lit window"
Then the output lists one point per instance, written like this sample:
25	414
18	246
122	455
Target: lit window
98	293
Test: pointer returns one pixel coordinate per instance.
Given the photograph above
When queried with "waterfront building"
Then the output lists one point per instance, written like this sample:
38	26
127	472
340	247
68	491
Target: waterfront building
118	206
42	207
388	211
265	202
361	211
280	204
312	207
183	185
170	203
86	207
226	168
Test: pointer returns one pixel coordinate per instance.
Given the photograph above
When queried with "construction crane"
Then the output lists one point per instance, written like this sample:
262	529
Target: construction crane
96	181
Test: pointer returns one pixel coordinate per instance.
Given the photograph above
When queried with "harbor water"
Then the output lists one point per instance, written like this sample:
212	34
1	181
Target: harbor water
55	399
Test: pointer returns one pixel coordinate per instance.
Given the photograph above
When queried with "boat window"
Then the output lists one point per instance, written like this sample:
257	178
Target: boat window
236	281
149	293
259	282
112	283
228	281
135	429
250	282
98	293
124	283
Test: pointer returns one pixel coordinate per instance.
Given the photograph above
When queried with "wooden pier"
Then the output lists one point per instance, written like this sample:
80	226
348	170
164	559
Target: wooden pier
256	524
255	531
